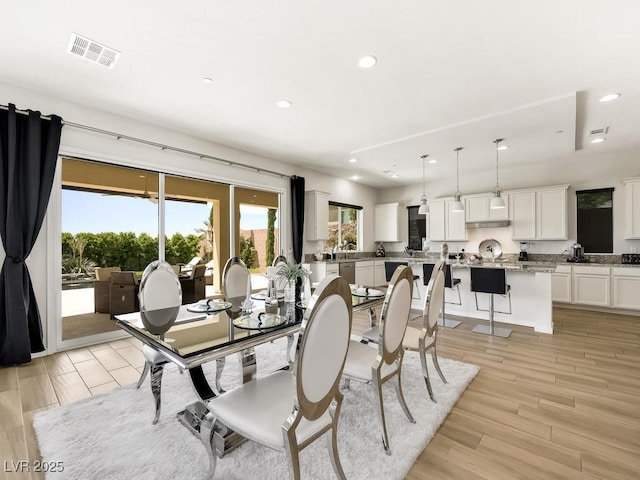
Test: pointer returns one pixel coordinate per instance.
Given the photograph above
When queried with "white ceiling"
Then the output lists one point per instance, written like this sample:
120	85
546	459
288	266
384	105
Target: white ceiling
449	74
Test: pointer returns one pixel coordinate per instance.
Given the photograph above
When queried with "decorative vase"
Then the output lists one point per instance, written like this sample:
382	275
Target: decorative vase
290	291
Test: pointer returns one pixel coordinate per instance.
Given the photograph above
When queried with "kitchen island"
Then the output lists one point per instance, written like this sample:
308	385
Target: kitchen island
531	301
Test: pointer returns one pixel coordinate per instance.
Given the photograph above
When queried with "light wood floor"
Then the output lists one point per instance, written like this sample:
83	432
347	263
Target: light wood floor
565	406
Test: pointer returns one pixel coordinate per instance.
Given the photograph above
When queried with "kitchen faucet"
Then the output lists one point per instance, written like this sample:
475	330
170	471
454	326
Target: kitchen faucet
346	248
490	250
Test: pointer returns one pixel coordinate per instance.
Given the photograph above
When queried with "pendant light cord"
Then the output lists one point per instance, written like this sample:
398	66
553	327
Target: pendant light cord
458	170
497	142
424	158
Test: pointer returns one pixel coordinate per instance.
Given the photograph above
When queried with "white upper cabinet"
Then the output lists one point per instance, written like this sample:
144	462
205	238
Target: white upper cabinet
445	224
523	215
632	207
386	222
316	221
456	229
477	208
437	220
539	214
551	214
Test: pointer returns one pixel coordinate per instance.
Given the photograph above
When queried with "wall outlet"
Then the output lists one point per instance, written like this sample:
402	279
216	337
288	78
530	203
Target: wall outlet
633	250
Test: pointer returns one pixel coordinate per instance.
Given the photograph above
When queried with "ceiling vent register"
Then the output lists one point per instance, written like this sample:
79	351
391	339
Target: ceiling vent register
92	51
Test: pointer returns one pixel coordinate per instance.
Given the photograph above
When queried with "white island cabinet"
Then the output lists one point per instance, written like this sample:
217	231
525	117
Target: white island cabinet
531	303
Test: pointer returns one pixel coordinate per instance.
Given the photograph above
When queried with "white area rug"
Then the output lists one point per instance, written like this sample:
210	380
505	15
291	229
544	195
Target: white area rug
110	436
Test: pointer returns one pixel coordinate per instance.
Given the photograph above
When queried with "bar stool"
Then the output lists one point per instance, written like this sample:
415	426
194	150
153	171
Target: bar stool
494	282
390	267
452	282
427	270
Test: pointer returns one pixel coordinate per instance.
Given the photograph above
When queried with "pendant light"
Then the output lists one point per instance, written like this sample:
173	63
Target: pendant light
497	201
457	205
424	208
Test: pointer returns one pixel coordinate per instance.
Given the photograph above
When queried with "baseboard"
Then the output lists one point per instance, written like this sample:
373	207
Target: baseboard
592	308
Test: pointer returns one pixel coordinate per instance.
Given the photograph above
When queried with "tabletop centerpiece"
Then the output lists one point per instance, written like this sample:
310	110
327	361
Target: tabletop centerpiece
291	271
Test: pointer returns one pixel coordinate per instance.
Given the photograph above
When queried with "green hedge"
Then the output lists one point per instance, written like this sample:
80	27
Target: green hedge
128	251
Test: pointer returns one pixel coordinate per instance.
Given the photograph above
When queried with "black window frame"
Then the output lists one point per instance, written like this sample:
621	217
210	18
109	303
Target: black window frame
594	222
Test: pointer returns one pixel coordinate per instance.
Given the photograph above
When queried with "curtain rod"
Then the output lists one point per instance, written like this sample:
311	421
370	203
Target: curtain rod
120	136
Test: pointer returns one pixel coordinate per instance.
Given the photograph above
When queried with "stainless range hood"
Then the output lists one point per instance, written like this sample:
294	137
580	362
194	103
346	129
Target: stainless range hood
489	224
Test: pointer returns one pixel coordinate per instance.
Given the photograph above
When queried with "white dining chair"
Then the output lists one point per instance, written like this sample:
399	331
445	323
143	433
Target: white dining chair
384	363
160	297
289	409
423	339
235	277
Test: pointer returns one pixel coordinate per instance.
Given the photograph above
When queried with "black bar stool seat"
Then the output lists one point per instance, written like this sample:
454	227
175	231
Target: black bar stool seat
494	282
450	282
427	269
390	267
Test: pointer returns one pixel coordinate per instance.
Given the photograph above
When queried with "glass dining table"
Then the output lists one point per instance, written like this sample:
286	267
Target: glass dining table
212	330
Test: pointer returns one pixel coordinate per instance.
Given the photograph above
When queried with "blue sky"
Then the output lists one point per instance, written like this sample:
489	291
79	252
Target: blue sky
94	212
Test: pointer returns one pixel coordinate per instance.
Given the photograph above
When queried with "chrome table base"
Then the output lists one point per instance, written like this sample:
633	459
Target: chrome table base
223	440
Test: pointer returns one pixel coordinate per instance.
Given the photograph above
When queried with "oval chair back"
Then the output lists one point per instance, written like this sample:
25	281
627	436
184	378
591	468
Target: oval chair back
234	278
322	347
278	260
160	297
395	313
434	300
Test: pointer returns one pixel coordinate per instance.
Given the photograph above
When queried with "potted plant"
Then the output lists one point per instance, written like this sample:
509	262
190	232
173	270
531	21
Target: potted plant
291	271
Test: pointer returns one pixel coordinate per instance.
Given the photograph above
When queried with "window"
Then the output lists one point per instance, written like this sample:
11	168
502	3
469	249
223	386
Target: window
595	220
344	223
417	228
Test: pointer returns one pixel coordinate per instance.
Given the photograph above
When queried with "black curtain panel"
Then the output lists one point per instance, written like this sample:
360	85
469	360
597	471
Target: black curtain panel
297	215
28	153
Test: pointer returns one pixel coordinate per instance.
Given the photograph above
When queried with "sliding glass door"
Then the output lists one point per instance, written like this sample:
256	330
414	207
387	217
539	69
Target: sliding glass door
110	230
197	223
109	234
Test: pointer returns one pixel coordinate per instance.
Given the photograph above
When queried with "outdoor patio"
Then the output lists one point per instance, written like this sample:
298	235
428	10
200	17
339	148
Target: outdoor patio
79	318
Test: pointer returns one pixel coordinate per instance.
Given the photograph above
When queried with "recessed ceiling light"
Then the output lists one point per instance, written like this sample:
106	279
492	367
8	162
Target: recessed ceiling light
433	160
598	140
353	160
395	175
503	147
355	177
367	61
284	103
207	80
609	97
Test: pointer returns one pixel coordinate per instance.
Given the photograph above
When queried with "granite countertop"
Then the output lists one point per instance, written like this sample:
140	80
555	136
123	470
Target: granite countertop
509	264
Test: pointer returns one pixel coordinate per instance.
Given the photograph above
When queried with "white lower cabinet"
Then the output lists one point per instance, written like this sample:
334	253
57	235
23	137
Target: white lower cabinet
561	284
626	288
591	286
319	270
379	274
365	273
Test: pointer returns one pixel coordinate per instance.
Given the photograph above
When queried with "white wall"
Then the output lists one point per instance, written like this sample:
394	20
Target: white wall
583	170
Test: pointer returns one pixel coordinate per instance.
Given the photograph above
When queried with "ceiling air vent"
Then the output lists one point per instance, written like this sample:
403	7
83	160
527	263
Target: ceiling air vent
598	135
92	51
